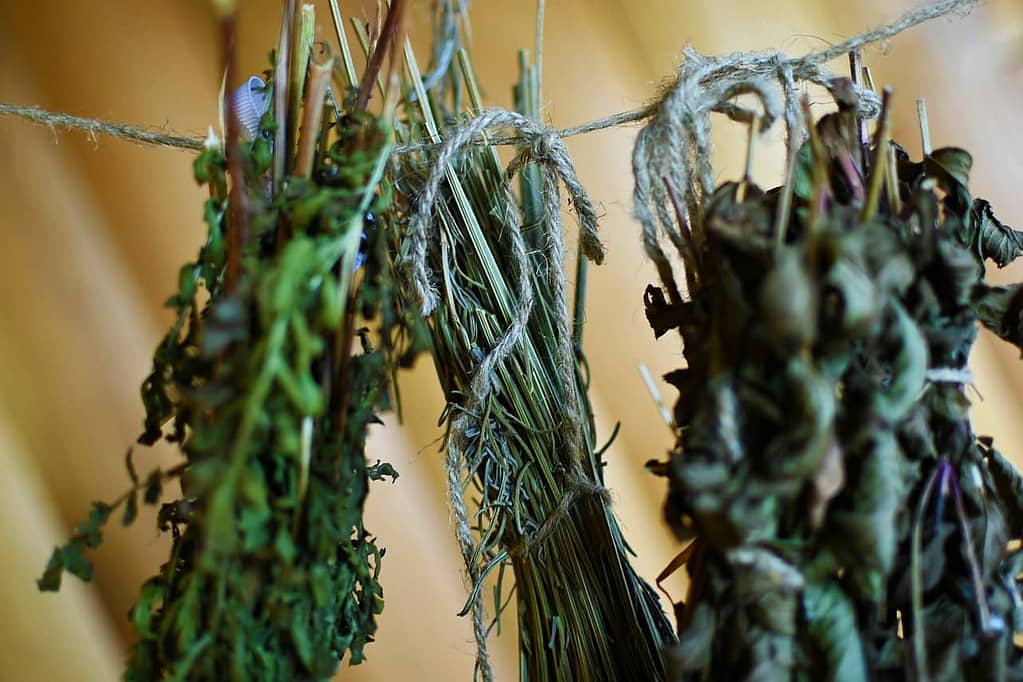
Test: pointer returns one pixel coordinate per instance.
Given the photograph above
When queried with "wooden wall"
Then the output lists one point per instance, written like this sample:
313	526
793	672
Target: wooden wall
92	232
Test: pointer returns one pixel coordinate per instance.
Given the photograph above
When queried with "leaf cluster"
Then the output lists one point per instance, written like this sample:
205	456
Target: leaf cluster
847	524
272	574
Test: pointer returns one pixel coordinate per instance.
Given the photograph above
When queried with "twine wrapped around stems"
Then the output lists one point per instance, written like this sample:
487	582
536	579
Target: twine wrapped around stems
673	148
546	149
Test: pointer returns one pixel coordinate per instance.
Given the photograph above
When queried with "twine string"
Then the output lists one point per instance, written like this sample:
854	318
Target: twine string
674	144
94	127
798	66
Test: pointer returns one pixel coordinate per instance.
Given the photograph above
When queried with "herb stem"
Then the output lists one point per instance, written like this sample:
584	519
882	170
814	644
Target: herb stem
301	53
916	571
388	35
781	222
579	304
892	178
751	143
983	611
856	72
819	176
238	231
925	130
342	40
280	103
877	170
312	115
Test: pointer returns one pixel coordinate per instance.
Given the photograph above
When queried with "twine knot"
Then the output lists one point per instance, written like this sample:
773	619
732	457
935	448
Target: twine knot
543	146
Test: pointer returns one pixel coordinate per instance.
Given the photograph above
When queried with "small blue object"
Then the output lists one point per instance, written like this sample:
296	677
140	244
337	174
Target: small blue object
369	220
360	257
249	102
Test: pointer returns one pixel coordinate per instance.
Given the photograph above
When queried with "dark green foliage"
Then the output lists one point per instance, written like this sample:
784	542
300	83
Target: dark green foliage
71	557
848	524
272	574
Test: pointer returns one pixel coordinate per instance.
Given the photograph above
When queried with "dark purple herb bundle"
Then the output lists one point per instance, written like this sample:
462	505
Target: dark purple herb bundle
845	521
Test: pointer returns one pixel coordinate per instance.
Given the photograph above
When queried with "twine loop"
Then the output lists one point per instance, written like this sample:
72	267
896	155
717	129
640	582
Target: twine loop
672	151
578	487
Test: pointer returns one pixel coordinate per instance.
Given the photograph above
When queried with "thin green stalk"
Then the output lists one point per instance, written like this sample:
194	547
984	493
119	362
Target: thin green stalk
879	160
342	41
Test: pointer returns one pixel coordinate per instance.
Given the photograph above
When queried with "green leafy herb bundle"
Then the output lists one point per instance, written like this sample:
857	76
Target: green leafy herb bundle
846	522
539	504
272	574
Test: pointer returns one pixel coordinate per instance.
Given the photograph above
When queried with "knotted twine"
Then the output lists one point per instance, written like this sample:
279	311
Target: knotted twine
545	148
672	150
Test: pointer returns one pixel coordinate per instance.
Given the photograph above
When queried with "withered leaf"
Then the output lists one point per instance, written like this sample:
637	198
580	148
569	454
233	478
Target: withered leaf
996	241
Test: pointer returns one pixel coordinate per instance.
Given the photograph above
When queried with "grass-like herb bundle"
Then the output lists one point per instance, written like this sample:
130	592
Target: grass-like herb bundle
520	428
272	575
846	522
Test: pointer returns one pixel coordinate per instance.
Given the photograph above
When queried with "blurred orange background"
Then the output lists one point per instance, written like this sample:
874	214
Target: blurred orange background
92	233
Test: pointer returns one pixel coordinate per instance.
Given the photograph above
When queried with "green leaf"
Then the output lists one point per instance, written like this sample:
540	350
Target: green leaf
908	366
51	577
73	561
831	626
131	509
996	241
381	470
131	506
788	301
802	177
144	609
153	487
865	529
1000	309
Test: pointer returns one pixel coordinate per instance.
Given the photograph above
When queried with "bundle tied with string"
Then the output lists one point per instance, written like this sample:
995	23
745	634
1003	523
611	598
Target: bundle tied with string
674	145
548	150
843	520
497	297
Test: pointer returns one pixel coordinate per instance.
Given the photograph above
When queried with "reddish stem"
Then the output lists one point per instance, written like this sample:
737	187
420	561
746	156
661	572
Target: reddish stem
237	227
388	35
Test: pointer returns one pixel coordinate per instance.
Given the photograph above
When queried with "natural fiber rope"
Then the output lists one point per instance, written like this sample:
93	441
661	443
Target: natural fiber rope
95	127
672	151
544	146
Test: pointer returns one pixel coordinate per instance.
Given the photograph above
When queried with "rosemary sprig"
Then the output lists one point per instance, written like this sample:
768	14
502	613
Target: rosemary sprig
539	505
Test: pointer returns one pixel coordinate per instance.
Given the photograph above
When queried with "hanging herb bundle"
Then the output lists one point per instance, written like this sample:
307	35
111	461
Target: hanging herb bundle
488	267
272	574
845	521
